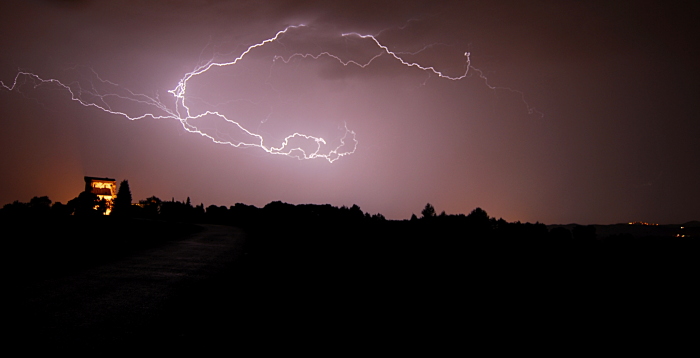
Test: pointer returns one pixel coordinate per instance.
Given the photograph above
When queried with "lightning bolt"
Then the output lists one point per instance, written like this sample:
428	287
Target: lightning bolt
91	96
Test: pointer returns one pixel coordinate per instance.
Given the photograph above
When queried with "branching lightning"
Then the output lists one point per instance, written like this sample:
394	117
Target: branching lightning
90	96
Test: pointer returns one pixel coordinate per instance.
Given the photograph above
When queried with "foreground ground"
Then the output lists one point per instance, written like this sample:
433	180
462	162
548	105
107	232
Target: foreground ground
318	286
145	297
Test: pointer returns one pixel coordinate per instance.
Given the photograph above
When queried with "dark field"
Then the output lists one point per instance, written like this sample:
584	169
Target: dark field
286	280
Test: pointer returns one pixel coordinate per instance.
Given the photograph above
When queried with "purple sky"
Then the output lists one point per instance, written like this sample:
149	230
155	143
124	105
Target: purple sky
616	84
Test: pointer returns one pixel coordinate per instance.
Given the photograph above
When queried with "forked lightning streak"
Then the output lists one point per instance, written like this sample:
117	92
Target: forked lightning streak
318	149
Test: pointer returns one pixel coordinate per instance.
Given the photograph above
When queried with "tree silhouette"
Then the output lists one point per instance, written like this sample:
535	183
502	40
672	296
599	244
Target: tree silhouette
428	211
122	203
356	212
478	215
40	206
40	203
16	209
86	204
59	209
478	222
151	206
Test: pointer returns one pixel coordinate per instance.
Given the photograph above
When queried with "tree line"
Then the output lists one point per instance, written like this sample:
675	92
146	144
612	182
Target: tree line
477	224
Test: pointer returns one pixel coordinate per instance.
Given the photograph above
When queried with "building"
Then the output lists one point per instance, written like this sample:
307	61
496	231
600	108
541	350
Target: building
104	188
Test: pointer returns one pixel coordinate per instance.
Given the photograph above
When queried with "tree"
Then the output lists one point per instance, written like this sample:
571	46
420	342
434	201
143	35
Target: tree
16	209
428	211
86	204
378	217
60	210
40	203
356	212
122	203
478	215
151	206
478	222
40	206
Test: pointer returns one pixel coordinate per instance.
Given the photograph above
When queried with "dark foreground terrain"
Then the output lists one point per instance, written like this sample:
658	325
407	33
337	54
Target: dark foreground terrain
296	279
140	293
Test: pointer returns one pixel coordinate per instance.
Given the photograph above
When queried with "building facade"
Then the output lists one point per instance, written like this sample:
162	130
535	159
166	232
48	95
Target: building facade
104	188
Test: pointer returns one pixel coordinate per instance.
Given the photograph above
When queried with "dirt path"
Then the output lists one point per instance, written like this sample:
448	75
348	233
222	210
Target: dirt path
123	302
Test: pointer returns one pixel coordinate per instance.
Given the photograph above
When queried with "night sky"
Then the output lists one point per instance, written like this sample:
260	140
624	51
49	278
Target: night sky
571	111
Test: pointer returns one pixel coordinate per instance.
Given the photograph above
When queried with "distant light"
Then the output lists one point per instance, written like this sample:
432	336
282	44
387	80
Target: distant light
643	223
